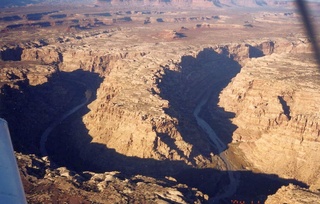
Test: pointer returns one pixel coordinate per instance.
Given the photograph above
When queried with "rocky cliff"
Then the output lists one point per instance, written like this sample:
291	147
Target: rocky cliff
142	111
143	115
128	115
138	76
275	101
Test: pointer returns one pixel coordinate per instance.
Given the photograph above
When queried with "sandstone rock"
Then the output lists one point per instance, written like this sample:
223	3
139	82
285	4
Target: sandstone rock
64	172
61	185
47	55
293	194
277	115
140	117
34	73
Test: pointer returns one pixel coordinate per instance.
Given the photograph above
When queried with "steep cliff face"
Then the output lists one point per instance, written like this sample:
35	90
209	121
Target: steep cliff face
275	100
138	74
144	107
132	115
127	117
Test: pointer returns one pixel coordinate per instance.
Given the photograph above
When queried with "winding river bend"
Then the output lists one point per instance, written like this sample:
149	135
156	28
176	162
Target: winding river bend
230	189
215	141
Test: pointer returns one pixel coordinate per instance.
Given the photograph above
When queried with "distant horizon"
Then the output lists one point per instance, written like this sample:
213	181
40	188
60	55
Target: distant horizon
14	3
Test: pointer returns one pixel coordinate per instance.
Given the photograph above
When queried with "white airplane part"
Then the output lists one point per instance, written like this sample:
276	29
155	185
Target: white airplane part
11	189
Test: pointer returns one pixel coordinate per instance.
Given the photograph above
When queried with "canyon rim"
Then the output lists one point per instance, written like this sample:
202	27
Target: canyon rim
162	101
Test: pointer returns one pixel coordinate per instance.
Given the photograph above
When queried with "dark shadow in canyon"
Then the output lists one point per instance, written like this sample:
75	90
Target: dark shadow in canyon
285	107
13	54
203	76
11	18
38	16
29	110
255	52
71	145
14	26
58	16
98	158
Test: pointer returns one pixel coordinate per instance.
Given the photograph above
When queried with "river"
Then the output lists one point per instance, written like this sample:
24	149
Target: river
46	133
225	192
230	189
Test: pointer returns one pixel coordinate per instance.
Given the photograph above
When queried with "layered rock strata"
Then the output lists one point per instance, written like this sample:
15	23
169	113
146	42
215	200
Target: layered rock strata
275	100
141	114
140	73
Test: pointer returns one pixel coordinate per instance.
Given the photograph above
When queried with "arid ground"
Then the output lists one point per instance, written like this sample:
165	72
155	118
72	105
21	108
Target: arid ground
162	102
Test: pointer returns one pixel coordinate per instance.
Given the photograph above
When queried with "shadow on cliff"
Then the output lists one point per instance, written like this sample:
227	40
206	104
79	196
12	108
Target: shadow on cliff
29	109
208	73
199	78
98	158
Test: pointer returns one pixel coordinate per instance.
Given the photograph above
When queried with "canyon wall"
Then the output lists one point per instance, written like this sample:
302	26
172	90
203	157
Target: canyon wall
138	74
127	115
137	110
140	117
275	101
144	107
146	99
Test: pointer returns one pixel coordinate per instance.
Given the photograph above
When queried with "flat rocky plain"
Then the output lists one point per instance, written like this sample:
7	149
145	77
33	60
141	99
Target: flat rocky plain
138	71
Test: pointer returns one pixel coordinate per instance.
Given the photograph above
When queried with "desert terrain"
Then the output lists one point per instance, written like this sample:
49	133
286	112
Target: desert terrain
162	101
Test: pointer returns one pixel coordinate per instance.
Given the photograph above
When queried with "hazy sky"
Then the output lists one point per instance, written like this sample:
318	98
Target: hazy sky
4	3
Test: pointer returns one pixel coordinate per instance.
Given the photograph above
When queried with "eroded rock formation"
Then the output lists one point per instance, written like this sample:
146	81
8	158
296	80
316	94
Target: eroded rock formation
294	194
140	85
135	118
43	183
275	101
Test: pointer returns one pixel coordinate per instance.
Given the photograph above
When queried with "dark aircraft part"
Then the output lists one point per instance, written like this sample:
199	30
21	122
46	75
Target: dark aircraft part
11	190
309	28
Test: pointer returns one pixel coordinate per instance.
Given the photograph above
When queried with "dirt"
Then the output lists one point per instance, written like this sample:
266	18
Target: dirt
147	69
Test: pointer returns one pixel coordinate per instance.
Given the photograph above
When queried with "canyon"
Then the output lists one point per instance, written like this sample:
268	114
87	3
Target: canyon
113	104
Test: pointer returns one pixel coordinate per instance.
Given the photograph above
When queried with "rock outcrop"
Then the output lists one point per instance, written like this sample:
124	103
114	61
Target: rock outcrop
133	118
43	182
275	101
295	195
45	55
127	116
138	86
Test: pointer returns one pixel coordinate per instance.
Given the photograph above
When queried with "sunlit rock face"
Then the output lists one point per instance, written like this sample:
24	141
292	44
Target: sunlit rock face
294	194
275	101
139	70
